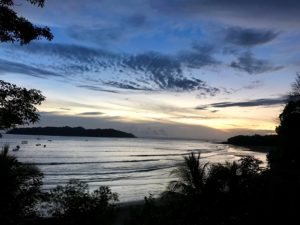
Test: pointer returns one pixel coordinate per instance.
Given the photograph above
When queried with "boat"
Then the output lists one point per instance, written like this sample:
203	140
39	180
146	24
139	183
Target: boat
38	145
24	142
17	148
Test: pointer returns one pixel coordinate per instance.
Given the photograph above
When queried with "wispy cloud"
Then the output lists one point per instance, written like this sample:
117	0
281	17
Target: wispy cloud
149	71
249	37
285	13
20	68
253	85
95	88
250	103
251	65
90	114
110	32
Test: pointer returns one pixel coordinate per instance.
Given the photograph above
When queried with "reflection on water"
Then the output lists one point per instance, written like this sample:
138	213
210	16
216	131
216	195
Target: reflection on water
132	167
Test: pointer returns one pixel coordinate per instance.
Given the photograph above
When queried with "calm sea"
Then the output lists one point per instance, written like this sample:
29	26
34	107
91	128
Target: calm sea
132	167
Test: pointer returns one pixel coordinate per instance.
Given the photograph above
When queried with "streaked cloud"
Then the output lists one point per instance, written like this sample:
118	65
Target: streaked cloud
251	65
90	114
250	103
249	37
20	68
150	71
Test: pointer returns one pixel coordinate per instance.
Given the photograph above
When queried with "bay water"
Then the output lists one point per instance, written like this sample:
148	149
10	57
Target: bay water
132	167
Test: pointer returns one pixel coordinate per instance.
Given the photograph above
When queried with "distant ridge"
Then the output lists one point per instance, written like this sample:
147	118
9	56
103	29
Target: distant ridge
71	131
254	140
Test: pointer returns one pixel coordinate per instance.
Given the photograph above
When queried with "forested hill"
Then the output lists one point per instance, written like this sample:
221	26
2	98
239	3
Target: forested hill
71	131
254	140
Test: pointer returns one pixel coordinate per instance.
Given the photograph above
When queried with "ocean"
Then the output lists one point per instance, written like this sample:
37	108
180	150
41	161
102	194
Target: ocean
133	168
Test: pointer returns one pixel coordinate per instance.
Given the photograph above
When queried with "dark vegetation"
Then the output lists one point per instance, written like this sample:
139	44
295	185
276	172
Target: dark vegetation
74	204
19	189
253	140
17	105
71	131
14	28
21	198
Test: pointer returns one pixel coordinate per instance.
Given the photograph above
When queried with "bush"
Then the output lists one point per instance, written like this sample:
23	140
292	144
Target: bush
74	204
19	189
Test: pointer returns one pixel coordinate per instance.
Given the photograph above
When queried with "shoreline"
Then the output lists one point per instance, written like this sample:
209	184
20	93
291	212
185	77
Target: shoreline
262	149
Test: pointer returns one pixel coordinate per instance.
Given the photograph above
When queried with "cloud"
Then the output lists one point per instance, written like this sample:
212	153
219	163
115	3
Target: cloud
125	85
65	109
250	103
110	31
97	35
165	72
136	20
253	85
283	13
149	71
198	56
251	65
90	113
20	68
249	37
95	88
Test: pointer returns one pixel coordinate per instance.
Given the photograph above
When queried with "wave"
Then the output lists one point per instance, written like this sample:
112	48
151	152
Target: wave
149	169
95	162
174	154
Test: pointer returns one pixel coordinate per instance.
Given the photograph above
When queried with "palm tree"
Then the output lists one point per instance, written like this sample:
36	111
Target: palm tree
191	176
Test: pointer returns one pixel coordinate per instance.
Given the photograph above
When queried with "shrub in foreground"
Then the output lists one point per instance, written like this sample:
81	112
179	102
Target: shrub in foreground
20	189
74	204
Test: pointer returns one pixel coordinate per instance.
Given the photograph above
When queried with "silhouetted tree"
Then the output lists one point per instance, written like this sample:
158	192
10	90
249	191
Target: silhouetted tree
191	176
14	28
223	193
17	105
287	155
74	204
19	189
296	87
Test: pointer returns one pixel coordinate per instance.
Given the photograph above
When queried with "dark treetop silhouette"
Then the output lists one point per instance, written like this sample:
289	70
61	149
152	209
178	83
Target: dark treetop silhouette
17	105
254	140
14	28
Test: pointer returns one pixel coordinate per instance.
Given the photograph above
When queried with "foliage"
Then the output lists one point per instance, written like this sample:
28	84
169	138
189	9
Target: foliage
19	189
14	28
17	105
233	194
74	204
296	87
287	154
254	140
289	120
191	176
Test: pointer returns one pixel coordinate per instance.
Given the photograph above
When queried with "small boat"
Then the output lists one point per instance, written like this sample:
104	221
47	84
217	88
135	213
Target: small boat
24	142
49	140
17	148
38	145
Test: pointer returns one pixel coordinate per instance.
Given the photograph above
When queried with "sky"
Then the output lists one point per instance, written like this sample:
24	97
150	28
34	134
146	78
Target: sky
205	69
